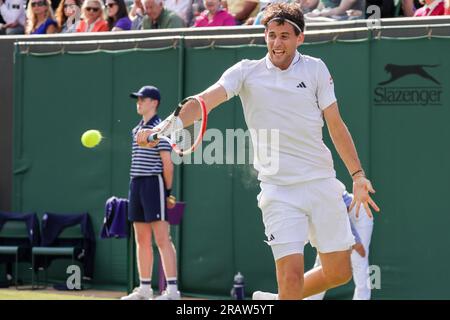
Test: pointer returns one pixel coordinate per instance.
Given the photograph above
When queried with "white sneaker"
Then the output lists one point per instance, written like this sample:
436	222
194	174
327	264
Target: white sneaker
169	296
139	294
261	295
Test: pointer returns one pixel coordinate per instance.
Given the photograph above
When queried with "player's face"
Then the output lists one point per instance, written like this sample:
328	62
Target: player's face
282	43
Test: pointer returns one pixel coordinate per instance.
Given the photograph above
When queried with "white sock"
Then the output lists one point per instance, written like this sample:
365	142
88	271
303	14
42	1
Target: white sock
172	285
146	285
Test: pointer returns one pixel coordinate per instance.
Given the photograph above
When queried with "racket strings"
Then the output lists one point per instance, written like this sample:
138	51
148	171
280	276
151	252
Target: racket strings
187	137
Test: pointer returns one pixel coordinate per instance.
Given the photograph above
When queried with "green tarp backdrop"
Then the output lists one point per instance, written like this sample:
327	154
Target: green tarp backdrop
400	129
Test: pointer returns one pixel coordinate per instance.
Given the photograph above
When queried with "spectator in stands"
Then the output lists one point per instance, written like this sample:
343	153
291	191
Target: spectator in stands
339	10
308	5
160	18
40	18
117	15
409	7
93	20
241	10
13	13
431	8
55	4
68	15
214	16
137	14
447	7
182	8
263	5
197	8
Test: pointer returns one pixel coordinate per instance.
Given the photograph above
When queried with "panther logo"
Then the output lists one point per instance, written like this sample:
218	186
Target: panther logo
397	72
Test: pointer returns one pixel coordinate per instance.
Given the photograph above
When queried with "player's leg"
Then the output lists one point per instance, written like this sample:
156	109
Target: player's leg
330	234
320	295
364	226
335	271
290	277
286	228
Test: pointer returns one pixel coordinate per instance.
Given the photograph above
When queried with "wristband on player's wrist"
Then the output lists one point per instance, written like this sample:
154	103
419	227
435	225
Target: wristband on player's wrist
360	171
358	174
168	192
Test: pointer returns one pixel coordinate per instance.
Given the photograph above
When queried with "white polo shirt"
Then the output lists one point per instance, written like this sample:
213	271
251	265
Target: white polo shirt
291	101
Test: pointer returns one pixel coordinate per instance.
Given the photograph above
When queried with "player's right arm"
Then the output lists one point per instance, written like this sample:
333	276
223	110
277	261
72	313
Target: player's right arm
213	97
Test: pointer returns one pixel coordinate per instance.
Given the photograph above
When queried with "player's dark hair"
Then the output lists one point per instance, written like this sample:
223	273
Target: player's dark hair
282	11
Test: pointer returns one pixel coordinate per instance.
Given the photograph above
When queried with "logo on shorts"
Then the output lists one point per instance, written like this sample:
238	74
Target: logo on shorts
271	238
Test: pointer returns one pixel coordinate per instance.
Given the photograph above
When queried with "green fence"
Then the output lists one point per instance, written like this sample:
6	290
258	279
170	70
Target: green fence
399	128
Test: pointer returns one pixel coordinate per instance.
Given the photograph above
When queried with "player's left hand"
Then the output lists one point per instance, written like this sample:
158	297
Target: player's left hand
358	247
361	189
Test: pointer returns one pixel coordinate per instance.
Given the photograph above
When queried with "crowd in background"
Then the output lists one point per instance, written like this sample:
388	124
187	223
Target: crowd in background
66	16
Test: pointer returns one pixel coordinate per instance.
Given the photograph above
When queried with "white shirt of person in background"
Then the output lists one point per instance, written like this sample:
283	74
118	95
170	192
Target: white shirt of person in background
13	11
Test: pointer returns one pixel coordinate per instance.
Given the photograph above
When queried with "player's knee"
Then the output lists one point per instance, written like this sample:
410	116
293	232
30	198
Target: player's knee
291	278
290	286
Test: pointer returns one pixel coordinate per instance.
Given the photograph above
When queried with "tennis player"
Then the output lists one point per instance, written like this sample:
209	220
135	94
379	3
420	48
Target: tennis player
302	200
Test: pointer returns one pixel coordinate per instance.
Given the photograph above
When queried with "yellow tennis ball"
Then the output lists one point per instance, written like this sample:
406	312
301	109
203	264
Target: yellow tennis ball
91	138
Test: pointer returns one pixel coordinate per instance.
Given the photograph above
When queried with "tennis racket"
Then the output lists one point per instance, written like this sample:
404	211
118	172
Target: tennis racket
183	140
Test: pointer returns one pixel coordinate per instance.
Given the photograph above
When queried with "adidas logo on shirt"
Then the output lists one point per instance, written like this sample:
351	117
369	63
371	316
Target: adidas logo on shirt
301	85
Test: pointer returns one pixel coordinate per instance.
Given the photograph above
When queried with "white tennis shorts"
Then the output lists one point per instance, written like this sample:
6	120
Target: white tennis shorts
313	210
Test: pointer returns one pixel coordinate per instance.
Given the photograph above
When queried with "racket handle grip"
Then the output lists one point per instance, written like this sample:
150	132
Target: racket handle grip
153	137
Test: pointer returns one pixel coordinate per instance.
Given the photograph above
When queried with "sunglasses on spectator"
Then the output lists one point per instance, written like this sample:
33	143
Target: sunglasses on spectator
39	4
92	9
110	5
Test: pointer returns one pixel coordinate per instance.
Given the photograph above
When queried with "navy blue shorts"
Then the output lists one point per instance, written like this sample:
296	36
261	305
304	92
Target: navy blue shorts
147	200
